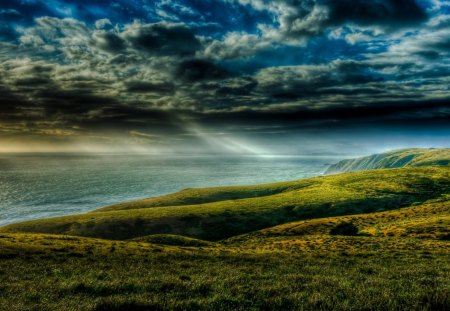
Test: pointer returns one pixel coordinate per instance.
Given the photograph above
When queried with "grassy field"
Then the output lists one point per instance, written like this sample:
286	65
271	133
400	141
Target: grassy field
394	159
39	272
253	208
267	247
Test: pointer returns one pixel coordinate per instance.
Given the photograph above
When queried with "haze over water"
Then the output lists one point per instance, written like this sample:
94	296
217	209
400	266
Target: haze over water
36	186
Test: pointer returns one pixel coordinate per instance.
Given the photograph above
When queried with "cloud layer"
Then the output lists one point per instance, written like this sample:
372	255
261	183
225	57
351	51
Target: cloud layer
102	69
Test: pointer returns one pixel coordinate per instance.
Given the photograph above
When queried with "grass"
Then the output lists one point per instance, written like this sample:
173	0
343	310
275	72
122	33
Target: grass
255	208
175	240
429	220
424	227
41	272
265	247
394	159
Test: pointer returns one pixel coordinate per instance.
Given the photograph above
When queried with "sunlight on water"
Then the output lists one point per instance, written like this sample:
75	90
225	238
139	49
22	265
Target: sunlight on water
39	186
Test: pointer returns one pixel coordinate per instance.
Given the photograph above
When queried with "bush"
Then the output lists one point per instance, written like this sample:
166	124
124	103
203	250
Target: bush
345	228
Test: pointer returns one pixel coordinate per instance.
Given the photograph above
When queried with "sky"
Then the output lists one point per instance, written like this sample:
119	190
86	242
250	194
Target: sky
224	76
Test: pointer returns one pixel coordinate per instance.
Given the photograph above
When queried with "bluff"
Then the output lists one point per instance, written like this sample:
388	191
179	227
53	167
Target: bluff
393	159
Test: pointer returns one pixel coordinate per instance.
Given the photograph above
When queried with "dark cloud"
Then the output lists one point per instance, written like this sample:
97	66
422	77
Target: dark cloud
10	104
392	113
148	87
109	42
431	55
280	84
241	87
384	12
71	102
33	82
162	39
194	70
310	17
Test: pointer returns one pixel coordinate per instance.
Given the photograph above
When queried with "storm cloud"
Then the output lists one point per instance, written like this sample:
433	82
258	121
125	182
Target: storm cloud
95	69
162	39
309	17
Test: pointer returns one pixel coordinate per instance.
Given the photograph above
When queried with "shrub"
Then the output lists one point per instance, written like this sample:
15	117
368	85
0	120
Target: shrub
345	228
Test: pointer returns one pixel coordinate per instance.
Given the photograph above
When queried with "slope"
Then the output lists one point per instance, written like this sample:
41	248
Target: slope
353	193
394	159
419	227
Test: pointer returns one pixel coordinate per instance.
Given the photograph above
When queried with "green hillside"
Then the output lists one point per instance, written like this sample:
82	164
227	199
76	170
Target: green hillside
195	196
369	240
419	227
399	260
394	159
254	208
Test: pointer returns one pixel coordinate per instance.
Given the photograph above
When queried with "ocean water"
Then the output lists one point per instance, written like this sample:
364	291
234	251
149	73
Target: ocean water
34	186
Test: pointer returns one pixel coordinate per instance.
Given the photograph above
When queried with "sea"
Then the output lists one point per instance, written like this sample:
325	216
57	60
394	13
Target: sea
34	186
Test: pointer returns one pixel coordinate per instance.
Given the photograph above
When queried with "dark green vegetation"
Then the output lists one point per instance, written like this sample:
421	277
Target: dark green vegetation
344	228
60	273
374	240
170	239
394	159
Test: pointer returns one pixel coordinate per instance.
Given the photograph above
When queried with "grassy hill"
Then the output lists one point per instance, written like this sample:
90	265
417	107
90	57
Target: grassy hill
295	266
394	159
256	207
419	227
278	246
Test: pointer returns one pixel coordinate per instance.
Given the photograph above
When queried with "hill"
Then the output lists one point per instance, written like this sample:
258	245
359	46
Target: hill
230	211
419	227
398	261
393	159
263	247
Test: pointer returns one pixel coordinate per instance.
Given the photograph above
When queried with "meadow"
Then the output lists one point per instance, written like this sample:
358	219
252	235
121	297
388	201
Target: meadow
40	272
371	240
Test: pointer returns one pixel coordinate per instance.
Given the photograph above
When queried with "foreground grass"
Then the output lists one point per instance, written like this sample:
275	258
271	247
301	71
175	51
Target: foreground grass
66	273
